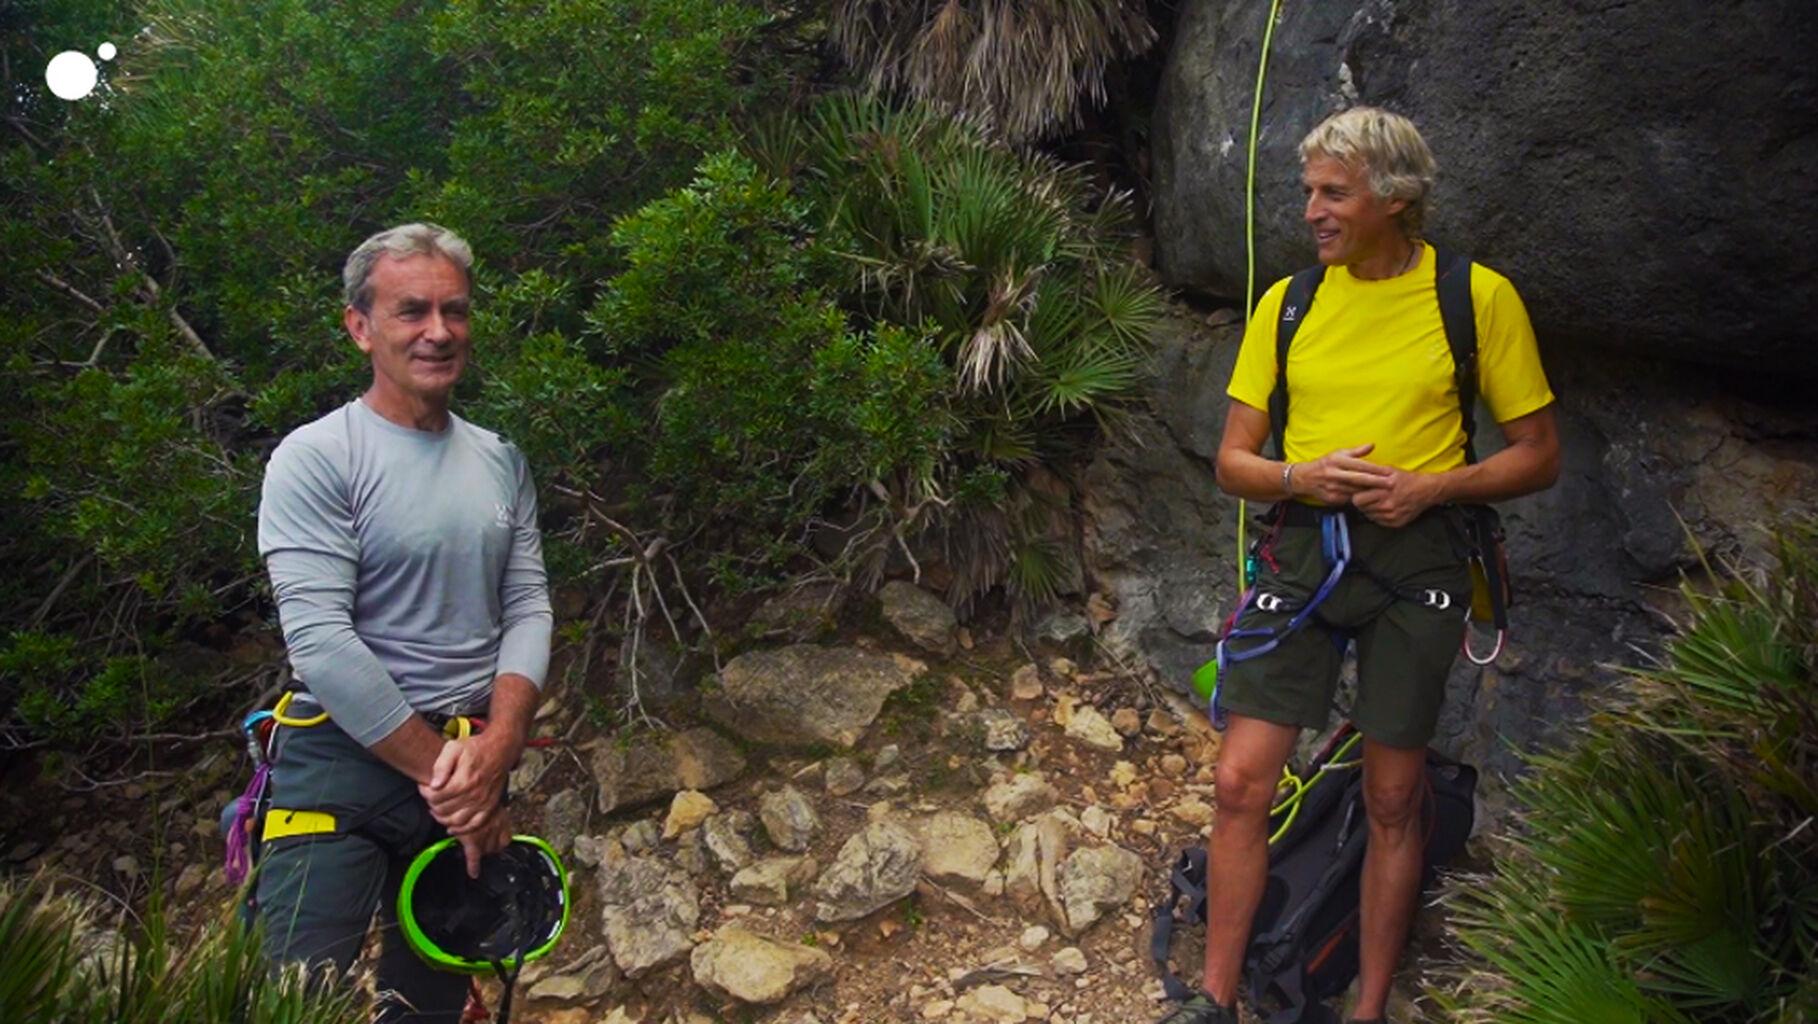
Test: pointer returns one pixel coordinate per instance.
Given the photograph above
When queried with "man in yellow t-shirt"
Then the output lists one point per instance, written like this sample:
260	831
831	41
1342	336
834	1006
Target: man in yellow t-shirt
1374	434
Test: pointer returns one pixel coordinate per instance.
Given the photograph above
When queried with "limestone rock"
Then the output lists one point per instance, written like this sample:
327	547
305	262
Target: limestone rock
740	965
655	765
769	882
1019	796
957	848
584	979
724	836
800	614
1193	811
876	867
1126	721
1004	731
1096	820
1063	626
1032	938
641	835
590	850
687	810
649	911
789	819
1089	726
803	694
844	776
190	881
529	769
1096	880
563	816
1032	860
919	616
889	785
994	1003
1070	960
1026	683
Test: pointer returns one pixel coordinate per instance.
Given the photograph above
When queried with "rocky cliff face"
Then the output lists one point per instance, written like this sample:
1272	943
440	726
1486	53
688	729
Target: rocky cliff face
1635	168
1595	559
1632	168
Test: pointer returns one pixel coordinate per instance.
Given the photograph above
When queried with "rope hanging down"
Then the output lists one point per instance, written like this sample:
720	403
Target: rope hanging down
1262	71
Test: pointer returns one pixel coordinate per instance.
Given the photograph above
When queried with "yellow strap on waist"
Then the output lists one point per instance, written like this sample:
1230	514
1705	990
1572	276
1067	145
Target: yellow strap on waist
278	714
458	728
280	822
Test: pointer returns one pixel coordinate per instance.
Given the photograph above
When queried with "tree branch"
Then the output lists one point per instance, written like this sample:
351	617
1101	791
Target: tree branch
148	285
50	600
70	290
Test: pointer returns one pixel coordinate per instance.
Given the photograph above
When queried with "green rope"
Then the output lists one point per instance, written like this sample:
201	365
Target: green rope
1262	71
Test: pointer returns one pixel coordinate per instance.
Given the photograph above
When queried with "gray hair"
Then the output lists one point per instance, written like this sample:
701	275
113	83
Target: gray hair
419	239
1389	150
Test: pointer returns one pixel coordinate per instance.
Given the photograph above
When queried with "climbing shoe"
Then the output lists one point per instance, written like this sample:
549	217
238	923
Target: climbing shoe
1201	1010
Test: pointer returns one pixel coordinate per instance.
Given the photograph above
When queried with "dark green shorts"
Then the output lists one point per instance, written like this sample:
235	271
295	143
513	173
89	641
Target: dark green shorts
1405	644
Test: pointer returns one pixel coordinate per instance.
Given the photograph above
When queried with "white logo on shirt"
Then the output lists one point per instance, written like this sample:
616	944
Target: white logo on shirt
501	514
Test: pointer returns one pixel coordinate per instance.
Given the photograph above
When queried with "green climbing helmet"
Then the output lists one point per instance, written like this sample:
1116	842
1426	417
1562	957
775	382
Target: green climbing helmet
512	914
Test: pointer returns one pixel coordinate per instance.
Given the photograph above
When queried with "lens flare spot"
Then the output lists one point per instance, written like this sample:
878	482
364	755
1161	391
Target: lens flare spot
71	75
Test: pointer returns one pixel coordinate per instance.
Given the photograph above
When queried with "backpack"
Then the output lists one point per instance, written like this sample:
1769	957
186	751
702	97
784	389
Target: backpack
1303	939
1491	593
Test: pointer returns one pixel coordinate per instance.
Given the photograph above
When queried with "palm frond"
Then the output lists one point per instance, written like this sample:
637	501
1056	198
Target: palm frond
1024	67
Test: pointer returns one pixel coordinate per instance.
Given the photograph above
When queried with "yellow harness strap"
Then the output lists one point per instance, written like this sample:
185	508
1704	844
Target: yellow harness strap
280	822
278	714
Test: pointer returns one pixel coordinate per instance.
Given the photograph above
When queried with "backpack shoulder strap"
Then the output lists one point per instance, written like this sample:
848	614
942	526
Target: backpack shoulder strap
1294	307
1452	280
1188	881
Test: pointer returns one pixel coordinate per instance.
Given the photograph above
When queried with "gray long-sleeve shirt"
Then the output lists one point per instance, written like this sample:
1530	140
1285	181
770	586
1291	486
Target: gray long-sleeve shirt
407	566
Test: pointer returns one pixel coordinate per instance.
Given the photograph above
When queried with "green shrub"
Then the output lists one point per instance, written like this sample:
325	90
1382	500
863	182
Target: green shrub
1015	268
173	248
64	968
1667	868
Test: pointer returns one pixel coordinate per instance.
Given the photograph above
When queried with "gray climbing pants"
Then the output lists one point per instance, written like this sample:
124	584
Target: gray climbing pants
316	894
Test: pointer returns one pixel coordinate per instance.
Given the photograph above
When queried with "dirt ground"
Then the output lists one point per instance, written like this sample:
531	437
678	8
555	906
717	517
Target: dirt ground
940	954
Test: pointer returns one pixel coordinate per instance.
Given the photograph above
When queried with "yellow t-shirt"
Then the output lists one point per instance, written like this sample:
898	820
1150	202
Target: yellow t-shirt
1370	365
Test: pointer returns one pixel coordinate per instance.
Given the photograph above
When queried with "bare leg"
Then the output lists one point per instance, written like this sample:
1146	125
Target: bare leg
1394	788
1249	766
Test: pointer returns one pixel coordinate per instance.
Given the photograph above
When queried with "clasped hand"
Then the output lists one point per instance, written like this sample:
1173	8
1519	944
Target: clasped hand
1385	495
465	792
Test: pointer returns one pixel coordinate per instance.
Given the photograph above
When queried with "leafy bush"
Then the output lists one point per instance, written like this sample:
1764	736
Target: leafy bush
63	968
875	317
1015	267
1668	868
173	246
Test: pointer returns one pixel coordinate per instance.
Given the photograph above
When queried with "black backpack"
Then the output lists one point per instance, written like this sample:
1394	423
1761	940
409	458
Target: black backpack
1303	940
1452	287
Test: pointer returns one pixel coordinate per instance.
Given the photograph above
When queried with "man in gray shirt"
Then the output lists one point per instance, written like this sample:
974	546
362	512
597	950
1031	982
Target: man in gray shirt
403	550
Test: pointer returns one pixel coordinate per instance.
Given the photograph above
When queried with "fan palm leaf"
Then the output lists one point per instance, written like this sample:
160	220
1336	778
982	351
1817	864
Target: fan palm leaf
1023	66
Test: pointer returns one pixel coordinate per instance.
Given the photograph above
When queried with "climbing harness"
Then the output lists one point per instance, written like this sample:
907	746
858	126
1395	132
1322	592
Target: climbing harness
1335	548
251	820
